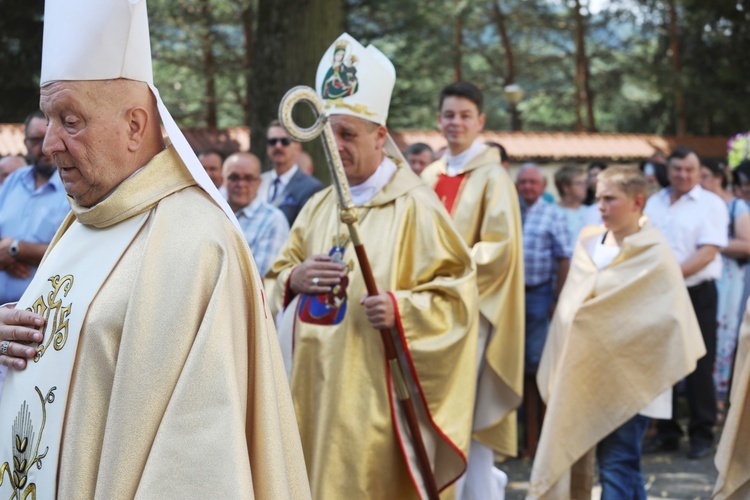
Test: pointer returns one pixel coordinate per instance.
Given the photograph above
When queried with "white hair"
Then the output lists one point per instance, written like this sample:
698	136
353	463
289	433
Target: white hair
534	167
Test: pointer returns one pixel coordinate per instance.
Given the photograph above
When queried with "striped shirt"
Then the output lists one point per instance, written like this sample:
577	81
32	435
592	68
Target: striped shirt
266	229
545	240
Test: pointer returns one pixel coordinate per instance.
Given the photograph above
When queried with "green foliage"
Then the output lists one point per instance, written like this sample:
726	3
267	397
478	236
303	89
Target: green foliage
20	58
631	75
178	30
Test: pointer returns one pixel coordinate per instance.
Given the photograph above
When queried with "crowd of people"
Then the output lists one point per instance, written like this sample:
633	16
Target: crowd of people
173	316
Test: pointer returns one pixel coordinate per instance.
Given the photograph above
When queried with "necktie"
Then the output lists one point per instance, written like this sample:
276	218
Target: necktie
275	189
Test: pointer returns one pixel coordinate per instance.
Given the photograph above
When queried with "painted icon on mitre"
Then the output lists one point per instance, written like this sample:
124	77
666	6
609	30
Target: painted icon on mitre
341	79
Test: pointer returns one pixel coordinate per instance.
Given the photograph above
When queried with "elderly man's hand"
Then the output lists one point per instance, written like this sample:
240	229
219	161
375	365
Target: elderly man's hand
19	270
379	311
317	274
16	326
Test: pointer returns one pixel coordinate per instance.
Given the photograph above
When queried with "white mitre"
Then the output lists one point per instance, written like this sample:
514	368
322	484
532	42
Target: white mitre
106	40
357	81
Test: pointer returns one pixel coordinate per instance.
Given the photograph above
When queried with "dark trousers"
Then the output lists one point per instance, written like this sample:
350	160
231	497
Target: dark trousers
538	301
699	384
619	457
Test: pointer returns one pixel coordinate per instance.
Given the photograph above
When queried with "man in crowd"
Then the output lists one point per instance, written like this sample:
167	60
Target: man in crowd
212	160
483	203
264	226
305	162
9	164
571	186
419	155
695	222
286	186
158	373
546	250
32	206
352	426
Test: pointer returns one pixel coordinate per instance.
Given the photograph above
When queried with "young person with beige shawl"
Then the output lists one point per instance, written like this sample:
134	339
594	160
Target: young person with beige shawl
623	333
733	455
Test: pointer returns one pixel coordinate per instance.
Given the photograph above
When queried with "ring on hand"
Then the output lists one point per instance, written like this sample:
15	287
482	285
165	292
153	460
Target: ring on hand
4	347
315	280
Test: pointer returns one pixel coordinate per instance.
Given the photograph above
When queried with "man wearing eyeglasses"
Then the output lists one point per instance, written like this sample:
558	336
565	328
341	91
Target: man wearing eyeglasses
32	206
285	186
264	226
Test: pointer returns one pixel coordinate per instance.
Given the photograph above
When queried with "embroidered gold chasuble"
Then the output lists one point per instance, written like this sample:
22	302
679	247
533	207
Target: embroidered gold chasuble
620	336
487	214
178	389
733	455
340	382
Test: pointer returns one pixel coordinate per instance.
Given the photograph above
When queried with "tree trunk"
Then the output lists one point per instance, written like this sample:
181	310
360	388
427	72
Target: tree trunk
674	48
458	40
583	89
209	63
248	19
291	39
499	20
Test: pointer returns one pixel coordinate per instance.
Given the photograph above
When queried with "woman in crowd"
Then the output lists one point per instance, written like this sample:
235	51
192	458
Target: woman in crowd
731	284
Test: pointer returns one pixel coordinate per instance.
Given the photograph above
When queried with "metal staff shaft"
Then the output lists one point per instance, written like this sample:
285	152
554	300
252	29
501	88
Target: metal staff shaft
347	214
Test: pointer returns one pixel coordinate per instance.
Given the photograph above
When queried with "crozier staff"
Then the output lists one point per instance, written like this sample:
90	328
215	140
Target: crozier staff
353	434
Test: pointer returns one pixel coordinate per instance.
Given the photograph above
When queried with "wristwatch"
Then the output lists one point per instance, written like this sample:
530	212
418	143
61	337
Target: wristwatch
13	249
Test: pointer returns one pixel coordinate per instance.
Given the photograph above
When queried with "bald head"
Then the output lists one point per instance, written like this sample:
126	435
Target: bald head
99	133
8	164
530	183
305	162
242	178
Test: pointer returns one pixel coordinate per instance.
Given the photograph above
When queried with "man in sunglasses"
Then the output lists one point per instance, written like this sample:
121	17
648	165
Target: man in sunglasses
32	206
285	186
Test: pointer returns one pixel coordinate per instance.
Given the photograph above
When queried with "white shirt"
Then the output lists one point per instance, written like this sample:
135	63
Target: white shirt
362	193
697	218
283	181
602	255
457	163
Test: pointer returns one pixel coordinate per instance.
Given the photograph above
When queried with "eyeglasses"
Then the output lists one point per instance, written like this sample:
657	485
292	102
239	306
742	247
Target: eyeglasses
283	140
34	141
246	178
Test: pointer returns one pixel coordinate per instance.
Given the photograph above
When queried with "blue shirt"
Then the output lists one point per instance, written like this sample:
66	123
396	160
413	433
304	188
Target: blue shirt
575	219
29	214
266	229
545	239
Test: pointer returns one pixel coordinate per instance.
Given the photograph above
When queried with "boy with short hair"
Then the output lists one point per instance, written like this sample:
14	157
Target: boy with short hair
604	370
483	203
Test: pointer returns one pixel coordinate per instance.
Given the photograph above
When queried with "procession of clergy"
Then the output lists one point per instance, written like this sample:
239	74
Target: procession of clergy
144	360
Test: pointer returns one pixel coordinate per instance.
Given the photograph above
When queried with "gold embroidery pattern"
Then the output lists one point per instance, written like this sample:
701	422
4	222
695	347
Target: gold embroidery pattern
355	108
55	313
23	459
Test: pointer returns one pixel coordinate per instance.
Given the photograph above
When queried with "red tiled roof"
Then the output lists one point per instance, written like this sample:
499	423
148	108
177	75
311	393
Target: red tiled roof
229	140
11	139
560	146
550	146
